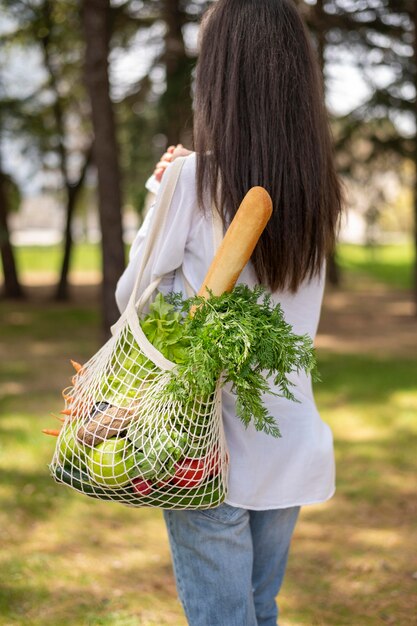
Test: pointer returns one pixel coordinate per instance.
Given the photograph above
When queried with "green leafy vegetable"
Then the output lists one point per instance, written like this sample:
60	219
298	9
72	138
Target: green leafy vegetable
164	328
243	337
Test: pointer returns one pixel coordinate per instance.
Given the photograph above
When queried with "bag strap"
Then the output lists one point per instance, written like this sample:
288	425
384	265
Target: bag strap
156	227
158	222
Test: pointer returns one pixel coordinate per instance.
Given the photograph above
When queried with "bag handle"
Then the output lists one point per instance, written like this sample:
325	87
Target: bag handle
158	222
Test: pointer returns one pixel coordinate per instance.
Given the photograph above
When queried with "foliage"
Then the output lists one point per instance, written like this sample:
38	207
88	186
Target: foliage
156	110
376	36
53	116
379	39
242	337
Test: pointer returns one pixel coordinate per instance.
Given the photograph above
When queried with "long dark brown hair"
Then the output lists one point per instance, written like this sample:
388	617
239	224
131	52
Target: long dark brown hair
260	119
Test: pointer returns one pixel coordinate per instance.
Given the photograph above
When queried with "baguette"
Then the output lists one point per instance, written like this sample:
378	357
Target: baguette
238	243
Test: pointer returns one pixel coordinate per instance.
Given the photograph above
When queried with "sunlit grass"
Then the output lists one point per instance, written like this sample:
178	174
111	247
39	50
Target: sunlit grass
351	561
86	257
389	264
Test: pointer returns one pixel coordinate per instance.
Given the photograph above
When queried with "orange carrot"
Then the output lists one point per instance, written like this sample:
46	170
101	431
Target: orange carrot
77	366
53	433
68	397
76	409
61	419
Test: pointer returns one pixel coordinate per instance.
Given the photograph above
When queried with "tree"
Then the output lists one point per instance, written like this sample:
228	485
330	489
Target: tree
175	107
96	23
12	287
55	62
53	119
413	8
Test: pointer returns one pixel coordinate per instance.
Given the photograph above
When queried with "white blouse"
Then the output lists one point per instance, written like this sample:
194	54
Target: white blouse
265	472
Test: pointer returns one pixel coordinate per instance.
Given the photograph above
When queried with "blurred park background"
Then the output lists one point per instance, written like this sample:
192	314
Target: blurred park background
122	72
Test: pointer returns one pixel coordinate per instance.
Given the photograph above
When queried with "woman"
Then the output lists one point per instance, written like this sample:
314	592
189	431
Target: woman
259	120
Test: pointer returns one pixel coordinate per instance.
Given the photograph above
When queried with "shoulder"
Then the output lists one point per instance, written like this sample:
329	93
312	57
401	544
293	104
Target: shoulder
183	201
185	195
188	172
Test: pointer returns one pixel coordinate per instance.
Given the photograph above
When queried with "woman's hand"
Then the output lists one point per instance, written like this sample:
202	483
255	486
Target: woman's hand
170	155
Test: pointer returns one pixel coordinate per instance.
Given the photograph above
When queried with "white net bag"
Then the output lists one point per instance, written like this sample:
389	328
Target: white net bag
123	438
123	441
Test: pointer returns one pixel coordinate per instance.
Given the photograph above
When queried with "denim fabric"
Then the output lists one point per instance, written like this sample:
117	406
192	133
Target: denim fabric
229	563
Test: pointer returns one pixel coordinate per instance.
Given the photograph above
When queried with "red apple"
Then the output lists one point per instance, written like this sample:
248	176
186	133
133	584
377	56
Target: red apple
141	486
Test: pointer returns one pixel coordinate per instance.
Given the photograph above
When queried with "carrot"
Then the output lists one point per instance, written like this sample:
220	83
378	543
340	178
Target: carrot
61	419
67	397
75	410
77	366
53	433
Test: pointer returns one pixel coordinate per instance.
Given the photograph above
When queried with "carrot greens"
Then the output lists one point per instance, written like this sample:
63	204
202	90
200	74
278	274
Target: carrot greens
243	337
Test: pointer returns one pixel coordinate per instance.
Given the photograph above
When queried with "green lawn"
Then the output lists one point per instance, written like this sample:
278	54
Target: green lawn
48	258
391	265
68	560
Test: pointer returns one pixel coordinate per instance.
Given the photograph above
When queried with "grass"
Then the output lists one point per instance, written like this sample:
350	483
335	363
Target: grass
353	555
70	561
389	264
392	265
87	257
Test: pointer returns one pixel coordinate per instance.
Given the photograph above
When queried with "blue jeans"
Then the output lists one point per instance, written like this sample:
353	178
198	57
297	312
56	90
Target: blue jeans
229	563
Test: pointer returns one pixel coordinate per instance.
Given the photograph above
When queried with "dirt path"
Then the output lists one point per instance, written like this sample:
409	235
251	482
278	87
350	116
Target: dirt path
370	319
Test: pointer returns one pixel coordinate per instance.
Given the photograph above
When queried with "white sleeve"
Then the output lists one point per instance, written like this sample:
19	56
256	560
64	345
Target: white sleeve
168	254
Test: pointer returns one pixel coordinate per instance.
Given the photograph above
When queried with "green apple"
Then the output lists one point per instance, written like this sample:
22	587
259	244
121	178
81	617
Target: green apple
111	463
69	449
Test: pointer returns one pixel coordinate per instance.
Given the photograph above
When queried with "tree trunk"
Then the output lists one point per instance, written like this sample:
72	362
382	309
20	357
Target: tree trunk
12	287
71	189
414	19
96	22
72	195
414	287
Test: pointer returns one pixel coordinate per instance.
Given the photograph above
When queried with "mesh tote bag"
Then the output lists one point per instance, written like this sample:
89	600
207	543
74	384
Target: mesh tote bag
123	439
